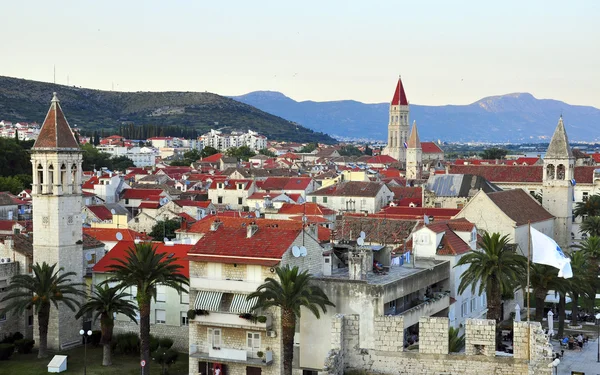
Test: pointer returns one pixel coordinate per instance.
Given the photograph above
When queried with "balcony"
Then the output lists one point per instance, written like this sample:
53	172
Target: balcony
227	285
429	307
231	355
232	320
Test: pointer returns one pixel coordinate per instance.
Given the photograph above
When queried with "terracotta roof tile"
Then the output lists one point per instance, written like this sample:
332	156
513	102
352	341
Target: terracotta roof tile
55	132
203	226
101	212
350	189
399	95
140	193
519	206
308	208
430	148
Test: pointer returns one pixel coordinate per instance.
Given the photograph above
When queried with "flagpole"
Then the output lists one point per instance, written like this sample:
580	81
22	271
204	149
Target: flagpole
528	260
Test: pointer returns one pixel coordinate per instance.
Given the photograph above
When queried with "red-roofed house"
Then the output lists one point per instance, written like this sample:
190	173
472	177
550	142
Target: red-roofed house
289	185
450	240
526	161
231	193
226	265
381	161
169	308
132	198
312	210
111	236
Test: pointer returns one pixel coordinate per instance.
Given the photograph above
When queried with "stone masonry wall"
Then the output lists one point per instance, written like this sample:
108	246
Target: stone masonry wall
179	334
388	333
433	357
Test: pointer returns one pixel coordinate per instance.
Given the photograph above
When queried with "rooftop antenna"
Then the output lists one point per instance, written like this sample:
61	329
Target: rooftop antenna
55	74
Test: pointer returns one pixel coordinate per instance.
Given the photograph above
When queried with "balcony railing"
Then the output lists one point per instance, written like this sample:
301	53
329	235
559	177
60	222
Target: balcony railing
223	354
233	320
428	307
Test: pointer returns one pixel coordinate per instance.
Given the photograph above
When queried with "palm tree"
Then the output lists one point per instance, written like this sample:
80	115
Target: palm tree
543	279
456	341
291	292
496	269
591	248
591	226
47	286
145	269
591	207
579	284
106	302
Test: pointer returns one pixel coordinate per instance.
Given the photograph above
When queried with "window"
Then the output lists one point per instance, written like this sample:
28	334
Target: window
254	273
240	200
30	320
214	271
184	298
2	316
483	300
184	318
438	205
133	292
220	185
314	199
219	200
324	199
160	316
473	304
161	293
126	201
214	337
253	341
3	285
585	196
474	235
464	309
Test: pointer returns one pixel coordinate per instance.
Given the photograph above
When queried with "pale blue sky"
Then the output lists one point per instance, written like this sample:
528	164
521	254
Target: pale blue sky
448	52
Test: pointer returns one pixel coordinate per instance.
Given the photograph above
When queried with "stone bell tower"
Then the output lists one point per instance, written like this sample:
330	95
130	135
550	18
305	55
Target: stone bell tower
414	152
398	124
558	181
57	203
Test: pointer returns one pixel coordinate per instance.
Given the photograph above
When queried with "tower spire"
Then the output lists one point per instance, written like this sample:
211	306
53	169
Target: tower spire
413	140
55	132
399	95
559	145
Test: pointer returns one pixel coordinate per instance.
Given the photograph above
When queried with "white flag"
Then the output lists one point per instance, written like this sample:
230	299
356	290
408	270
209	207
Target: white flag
545	250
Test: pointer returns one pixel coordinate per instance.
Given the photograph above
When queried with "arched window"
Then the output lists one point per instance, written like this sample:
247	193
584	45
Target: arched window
560	172
550	172
63	176
40	178
74	178
50	178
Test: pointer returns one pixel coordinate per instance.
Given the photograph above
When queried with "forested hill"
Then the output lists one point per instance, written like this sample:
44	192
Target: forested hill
28	101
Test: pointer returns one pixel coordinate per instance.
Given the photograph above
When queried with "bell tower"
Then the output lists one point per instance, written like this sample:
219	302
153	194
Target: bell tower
414	164
56	189
398	124
558	180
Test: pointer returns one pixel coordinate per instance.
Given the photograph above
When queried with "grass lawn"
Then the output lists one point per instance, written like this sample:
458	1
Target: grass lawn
122	365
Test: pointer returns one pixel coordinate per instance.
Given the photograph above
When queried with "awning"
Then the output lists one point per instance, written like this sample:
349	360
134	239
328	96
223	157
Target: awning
206	300
239	304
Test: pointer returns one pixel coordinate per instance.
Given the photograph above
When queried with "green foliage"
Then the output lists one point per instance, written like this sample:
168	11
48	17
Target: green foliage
267	152
309	148
14	157
24	346
165	357
94	159
120	163
261	319
456	340
12	184
368	150
191	314
11	338
240	153
96	337
493	153
189	157
591	226
6	350
154	343
591	207
165	342
127	343
208	151
164	228
349	150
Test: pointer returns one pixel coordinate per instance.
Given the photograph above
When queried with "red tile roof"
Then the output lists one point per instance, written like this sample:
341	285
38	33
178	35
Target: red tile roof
381	159
596	157
525	161
231	184
140	193
190	203
308	208
390	173
55	131
110	234
203	226
101	212
324	234
519	206
419	212
310	219
350	189
119	251
297	183
519	173
212	158
399	95
452	244
431	148
289	155
149	204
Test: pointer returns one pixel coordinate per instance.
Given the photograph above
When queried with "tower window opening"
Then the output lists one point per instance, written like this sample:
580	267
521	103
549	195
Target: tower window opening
550	172
560	172
40	182
50	178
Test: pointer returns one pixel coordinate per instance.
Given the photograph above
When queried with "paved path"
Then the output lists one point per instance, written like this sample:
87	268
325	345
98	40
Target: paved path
584	361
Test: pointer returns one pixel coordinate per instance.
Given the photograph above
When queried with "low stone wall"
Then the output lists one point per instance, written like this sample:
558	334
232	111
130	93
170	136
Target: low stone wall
178	334
388	357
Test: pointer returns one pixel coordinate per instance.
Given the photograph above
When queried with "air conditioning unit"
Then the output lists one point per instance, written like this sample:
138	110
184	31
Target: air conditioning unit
8	260
2	260
271	333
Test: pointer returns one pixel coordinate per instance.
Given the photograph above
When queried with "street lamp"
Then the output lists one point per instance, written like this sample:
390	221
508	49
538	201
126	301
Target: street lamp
598	339
83	333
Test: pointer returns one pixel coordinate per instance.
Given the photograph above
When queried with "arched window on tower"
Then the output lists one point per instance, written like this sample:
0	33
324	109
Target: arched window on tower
63	178
550	172
74	178
40	179
50	179
560	172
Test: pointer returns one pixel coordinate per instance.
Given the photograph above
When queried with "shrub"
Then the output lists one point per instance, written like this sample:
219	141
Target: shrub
191	314
24	346
260	354
95	338
127	343
6	350
154	343
11	338
262	319
456	341
166	343
165	357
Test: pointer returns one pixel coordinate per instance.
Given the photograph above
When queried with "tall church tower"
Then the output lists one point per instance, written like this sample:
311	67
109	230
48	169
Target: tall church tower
414	164
398	126
56	190
559	166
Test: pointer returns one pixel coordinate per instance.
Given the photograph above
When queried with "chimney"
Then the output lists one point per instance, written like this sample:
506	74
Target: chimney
356	269
251	229
184	224
327	265
215	224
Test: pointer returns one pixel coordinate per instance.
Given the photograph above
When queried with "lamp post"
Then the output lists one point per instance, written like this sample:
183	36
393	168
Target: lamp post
598	339
85	336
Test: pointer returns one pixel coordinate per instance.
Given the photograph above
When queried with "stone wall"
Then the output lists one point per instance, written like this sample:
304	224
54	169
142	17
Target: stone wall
179	335
387	355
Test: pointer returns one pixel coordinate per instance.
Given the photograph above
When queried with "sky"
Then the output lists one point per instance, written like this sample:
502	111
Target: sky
447	52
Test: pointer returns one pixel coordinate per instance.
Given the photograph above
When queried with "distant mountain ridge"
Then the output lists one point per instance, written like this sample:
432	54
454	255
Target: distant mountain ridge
26	100
516	117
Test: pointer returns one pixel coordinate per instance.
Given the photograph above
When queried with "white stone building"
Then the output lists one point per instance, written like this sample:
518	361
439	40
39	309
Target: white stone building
231	193
353	196
222	141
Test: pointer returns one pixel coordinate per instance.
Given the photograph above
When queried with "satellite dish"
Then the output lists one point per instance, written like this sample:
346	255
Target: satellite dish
88	256
360	241
303	251
257	213
165	240
112	211
295	251
119	236
257	206
362	235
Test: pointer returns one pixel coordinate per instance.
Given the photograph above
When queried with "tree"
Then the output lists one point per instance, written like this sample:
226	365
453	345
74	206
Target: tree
240	153
591	248
208	151
145	269
309	148
105	303
94	159
164	228
591	207
368	150
121	163
349	150
291	292
591	225
267	152
456	341
496	269
95	139
493	153
543	278
12	184
46	286
581	283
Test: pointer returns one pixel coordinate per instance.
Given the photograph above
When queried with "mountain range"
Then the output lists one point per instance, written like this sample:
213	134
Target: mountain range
28	101
515	118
